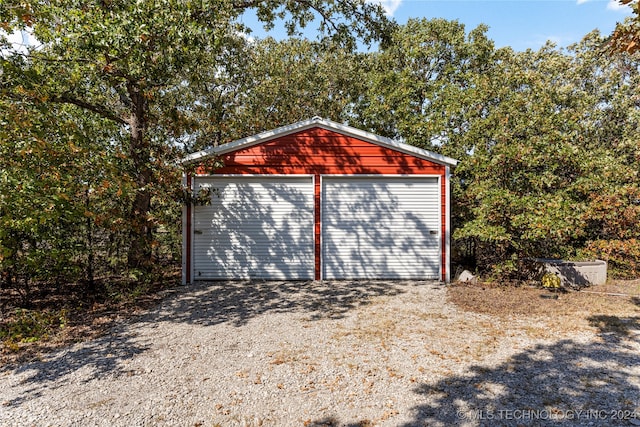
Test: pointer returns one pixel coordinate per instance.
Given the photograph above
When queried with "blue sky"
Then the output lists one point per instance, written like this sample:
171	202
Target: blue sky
521	24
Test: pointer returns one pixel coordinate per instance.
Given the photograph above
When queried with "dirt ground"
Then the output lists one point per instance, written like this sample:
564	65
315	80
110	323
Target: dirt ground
59	319
614	306
615	297
347	353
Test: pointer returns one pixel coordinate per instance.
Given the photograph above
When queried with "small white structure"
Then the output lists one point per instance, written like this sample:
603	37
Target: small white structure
575	273
467	277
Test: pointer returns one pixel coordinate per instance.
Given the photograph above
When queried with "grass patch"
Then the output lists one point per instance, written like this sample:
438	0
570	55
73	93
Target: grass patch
28	326
373	327
566	311
58	316
505	301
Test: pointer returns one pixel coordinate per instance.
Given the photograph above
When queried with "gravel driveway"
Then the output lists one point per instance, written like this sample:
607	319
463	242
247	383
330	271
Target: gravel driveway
334	354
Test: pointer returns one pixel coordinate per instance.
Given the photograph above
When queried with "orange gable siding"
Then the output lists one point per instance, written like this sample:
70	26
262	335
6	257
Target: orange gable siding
317	152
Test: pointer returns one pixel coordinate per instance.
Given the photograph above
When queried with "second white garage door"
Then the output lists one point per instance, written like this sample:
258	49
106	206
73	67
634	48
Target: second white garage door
381	227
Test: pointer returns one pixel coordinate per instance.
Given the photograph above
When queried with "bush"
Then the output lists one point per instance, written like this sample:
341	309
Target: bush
622	256
27	326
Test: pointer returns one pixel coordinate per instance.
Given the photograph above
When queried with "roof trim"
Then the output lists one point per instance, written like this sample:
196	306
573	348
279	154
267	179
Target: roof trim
324	124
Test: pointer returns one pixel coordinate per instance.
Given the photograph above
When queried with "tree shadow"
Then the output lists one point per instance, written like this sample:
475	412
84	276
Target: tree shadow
97	358
205	303
369	231
237	302
255	228
565	383
334	422
615	329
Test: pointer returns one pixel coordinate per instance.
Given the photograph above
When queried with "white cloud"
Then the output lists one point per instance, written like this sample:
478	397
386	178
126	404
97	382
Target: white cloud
616	5
613	5
389	6
248	37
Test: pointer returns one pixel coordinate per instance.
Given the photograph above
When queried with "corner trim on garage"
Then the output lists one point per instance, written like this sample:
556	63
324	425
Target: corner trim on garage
447	227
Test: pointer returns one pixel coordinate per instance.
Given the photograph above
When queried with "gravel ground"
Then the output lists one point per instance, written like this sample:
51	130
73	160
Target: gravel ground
328	354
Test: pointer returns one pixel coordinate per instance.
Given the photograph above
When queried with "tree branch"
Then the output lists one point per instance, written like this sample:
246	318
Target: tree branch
247	4
67	99
325	18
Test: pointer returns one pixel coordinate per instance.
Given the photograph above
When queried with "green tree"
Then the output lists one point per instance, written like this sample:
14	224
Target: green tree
425	85
526	160
50	164
610	123
555	170
122	60
268	83
297	79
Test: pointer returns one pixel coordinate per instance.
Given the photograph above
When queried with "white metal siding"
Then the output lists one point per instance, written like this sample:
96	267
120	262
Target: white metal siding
381	227
255	227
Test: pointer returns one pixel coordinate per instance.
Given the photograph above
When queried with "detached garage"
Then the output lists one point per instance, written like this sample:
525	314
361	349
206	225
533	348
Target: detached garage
317	200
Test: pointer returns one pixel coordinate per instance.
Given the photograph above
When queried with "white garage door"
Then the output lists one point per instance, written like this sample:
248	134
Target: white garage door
380	227
255	227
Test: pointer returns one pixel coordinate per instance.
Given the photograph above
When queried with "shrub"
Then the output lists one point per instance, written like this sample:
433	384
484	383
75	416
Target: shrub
622	256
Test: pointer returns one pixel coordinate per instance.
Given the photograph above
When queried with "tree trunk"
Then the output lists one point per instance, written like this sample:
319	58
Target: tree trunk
141	232
141	228
90	288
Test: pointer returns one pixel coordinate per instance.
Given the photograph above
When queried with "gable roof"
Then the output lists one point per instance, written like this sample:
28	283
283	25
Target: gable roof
318	122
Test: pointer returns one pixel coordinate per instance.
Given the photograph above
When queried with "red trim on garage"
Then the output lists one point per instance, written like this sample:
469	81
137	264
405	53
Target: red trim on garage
317	228
189	234
443	225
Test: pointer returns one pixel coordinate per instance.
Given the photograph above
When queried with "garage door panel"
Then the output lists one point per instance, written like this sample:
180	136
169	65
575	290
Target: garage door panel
258	227
380	227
